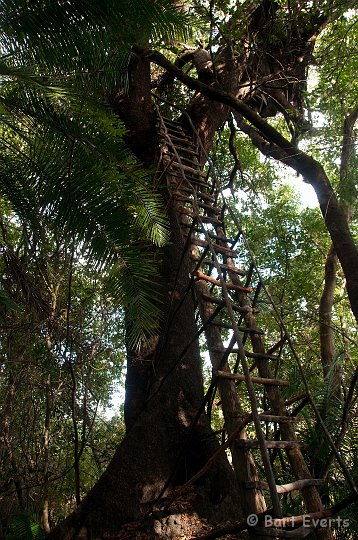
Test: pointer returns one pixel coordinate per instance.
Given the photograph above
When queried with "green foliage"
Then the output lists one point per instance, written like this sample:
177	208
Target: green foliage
25	526
62	149
337	58
81	222
75	38
68	328
92	189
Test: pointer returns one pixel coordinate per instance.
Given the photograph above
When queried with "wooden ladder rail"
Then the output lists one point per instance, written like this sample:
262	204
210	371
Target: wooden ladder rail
257	505
328	436
248	381
232	317
263	444
310	495
298	464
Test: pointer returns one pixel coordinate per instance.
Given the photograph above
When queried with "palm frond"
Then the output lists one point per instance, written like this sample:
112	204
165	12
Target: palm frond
85	39
74	168
135	270
62	152
25	526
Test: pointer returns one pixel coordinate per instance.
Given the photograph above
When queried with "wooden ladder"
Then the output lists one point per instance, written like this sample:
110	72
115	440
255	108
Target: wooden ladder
227	306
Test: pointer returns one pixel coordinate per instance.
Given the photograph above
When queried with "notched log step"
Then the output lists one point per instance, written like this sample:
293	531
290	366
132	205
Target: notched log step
259	380
286	488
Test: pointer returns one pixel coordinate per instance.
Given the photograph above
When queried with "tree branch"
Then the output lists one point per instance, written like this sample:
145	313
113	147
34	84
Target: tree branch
280	148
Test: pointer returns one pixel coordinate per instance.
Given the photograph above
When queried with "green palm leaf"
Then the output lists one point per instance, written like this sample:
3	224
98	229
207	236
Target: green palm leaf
62	154
25	527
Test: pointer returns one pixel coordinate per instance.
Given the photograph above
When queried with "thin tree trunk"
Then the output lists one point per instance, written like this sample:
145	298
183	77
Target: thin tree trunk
326	333
46	440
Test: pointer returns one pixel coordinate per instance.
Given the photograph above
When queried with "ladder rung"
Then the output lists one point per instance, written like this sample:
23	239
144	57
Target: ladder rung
222	238
287	445
174	126
235	270
184	158
184	139
279	419
247	353
286	488
188	150
218	301
214	236
167	120
174	123
189	179
205	196
240	328
217	247
175	129
201	205
223	350
197	182
199	194
259	380
209	207
303	396
182	198
204	219
261	356
189	169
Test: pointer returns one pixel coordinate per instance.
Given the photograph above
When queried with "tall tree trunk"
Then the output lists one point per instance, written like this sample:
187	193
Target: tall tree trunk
164	445
168	436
